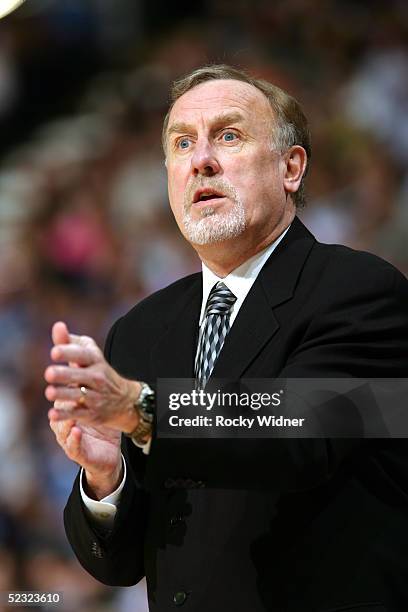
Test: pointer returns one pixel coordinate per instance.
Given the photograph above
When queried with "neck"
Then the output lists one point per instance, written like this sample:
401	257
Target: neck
224	257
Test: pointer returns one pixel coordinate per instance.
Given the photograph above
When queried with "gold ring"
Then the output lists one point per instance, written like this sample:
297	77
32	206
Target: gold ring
83	391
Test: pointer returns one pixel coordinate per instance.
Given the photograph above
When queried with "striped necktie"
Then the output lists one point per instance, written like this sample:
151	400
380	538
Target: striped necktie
213	331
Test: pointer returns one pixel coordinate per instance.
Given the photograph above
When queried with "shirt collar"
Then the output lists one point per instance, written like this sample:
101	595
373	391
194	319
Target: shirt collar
240	280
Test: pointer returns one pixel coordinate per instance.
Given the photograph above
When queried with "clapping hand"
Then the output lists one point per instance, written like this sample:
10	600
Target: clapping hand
88	423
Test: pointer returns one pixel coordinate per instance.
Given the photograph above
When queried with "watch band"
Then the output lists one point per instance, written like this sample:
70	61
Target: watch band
144	405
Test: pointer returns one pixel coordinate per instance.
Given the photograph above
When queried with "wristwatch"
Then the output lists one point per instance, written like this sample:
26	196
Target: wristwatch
145	408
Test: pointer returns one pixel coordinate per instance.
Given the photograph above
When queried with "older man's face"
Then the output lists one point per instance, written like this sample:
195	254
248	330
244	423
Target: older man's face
224	178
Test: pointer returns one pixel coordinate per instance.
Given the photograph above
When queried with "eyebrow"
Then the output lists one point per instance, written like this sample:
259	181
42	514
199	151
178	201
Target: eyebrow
226	118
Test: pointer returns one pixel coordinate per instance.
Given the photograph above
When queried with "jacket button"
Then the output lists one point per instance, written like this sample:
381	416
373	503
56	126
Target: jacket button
179	598
96	550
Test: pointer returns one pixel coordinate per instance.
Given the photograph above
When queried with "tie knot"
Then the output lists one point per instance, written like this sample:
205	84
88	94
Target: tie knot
220	300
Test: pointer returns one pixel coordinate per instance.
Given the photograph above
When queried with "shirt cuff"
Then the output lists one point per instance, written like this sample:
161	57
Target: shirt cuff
103	512
145	447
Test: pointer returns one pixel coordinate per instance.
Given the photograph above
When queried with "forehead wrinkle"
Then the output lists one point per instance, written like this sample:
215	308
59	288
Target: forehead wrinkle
218	121
228	92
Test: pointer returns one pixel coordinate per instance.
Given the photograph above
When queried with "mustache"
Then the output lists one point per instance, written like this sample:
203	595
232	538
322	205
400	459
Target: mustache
215	183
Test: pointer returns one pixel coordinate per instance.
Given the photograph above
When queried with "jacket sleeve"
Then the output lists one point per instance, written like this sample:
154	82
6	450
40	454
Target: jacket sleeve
113	557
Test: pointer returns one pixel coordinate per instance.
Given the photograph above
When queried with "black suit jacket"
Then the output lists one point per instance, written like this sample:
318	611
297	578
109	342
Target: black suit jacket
252	525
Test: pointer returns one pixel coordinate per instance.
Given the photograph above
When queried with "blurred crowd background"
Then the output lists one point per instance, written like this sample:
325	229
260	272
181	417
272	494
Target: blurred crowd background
85	230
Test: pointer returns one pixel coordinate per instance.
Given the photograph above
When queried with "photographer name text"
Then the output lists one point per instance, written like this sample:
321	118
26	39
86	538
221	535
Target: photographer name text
239	421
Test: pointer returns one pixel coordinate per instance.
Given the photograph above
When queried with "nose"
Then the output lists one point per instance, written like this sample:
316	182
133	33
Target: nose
204	161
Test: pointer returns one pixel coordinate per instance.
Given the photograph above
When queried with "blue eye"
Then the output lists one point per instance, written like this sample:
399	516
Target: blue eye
184	143
229	136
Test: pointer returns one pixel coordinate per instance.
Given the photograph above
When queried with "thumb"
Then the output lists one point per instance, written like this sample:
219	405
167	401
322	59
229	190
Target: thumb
60	334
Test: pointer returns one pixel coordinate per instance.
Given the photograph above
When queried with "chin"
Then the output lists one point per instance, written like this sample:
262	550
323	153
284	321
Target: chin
215	228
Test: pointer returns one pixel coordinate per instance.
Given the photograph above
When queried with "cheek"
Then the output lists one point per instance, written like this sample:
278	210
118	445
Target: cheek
250	171
263	179
176	187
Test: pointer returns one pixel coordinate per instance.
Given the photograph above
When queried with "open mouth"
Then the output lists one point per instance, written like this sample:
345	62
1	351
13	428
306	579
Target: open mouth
206	196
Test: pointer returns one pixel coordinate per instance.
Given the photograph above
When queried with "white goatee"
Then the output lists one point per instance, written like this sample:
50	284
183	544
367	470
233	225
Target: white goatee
215	225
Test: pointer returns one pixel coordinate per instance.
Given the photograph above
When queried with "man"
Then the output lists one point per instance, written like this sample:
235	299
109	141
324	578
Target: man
239	525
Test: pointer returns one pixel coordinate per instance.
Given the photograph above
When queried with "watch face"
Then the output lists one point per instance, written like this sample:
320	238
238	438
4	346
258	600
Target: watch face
147	401
148	404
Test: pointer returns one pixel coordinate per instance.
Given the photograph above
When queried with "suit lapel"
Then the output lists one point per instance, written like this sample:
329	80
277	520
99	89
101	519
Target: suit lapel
256	322
173	355
252	329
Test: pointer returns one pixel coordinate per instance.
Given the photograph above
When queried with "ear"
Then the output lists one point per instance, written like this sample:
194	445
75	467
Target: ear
296	162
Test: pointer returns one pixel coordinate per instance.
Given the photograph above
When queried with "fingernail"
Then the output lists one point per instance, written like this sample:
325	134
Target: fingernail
50	372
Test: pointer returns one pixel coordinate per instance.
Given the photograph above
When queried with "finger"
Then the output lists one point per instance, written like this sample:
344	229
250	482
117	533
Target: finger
66	375
85	341
60	334
64	405
68	396
82	356
61	429
73	443
74	414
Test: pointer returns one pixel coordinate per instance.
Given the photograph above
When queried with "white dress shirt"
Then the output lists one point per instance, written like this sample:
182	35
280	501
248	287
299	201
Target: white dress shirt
239	281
